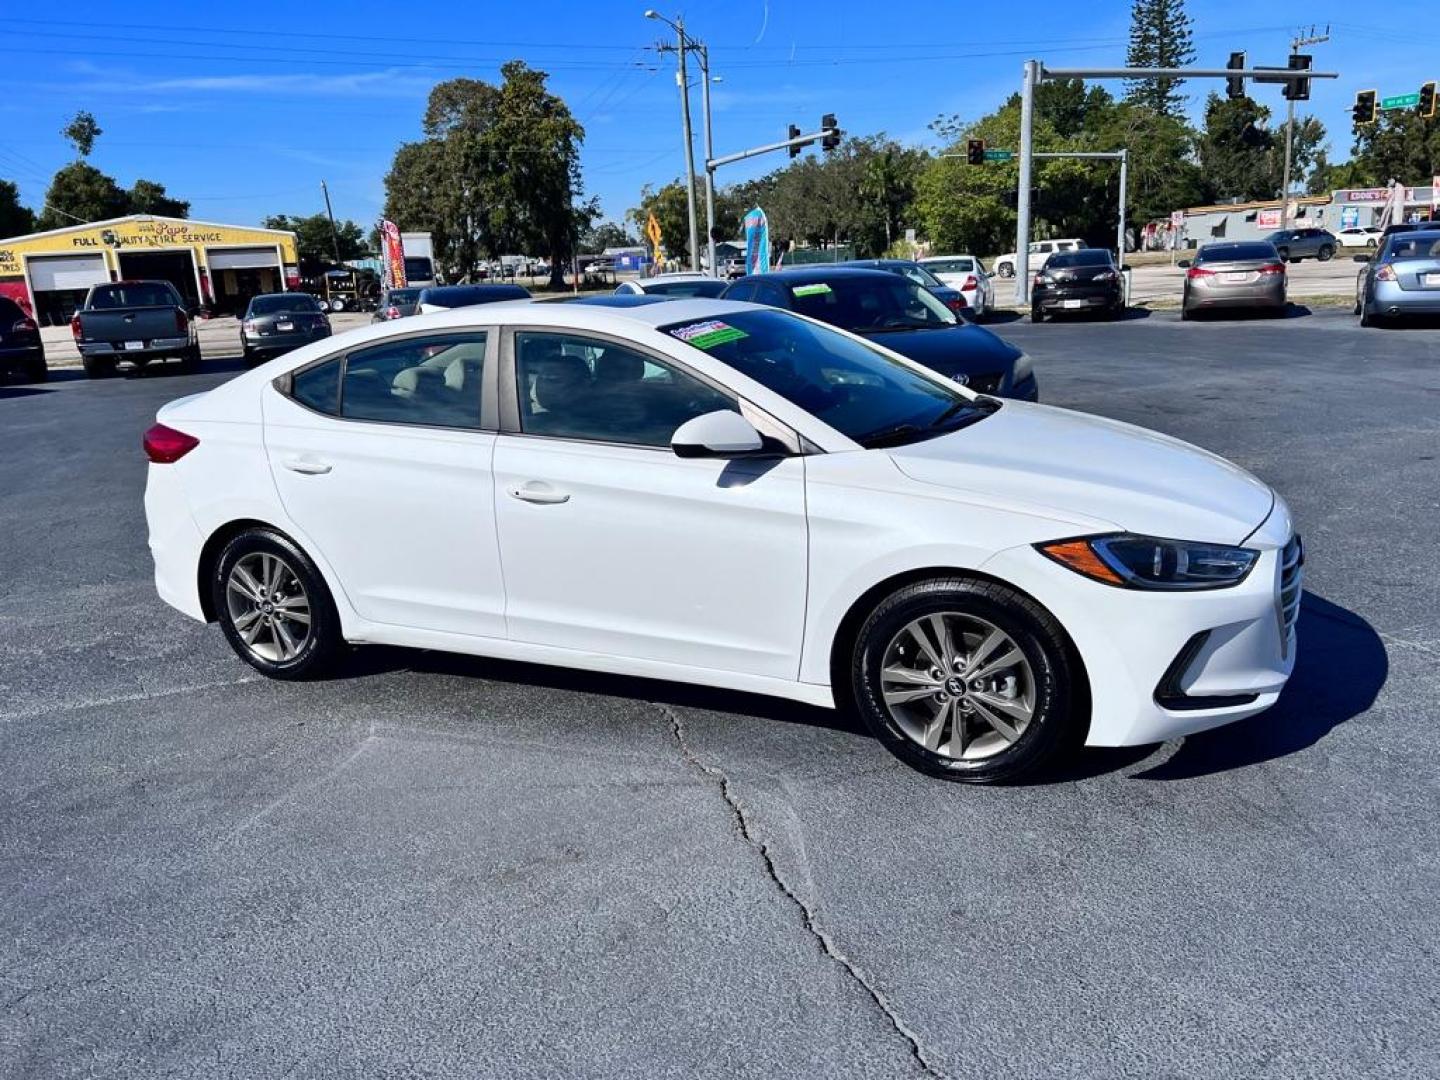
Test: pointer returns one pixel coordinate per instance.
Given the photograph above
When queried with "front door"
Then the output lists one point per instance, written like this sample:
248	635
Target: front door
612	544
381	460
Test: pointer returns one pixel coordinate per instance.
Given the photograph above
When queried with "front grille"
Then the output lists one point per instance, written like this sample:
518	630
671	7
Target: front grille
1287	599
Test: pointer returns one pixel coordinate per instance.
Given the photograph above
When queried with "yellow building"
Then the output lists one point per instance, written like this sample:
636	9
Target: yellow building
213	266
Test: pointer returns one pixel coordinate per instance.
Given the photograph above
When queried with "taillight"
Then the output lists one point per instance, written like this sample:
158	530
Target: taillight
956	304
182	324
75	325
1385	273
970	283
1273	268
392	313
1198	272
250	326
23	326
164	445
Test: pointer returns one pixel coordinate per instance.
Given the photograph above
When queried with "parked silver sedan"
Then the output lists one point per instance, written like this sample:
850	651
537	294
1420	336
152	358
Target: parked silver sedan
1403	278
1238	274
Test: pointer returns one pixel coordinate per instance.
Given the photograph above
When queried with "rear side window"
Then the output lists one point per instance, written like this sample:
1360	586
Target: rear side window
319	387
433	381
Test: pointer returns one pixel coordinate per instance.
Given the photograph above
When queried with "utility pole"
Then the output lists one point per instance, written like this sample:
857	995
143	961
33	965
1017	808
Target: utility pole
682	79
1295	46
334	235
1022	194
704	51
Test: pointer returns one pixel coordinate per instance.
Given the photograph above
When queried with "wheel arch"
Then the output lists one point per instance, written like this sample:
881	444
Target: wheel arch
222	535
842	644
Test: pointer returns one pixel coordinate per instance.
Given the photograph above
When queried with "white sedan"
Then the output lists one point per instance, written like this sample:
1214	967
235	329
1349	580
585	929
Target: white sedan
1360	236
966	274
736	496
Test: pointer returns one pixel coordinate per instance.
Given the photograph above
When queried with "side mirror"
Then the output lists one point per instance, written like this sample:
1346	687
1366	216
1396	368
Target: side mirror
1183	264
719	434
1360	258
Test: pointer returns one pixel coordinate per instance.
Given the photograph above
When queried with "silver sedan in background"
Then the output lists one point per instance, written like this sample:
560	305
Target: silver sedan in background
1403	278
1238	274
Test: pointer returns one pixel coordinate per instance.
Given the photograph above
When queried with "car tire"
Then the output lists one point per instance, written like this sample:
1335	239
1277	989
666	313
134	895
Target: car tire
1284	254
270	634
1326	253
1037	313
98	367
1005	270
190	359
980	729
1185	314
1371	244
36	370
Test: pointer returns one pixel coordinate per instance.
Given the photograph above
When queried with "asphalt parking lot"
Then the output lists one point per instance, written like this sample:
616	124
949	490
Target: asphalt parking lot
441	866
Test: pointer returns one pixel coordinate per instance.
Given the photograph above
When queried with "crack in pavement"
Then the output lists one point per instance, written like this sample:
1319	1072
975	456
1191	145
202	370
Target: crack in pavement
807	913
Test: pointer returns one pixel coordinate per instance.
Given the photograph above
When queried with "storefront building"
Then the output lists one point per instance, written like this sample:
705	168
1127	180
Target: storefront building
214	267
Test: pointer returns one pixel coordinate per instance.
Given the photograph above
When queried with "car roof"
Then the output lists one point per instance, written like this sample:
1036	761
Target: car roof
615	300
649	312
679	275
800	275
877	262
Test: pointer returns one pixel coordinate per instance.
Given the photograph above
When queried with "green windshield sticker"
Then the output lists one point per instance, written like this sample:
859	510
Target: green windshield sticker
708	334
818	289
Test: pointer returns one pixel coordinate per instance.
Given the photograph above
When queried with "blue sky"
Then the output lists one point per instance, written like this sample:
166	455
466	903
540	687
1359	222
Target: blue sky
243	110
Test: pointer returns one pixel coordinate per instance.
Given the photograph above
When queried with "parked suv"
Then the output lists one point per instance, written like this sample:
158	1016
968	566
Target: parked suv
1004	265
1296	244
20	347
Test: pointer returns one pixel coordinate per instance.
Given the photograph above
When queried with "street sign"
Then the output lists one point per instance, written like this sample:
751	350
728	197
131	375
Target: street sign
999	155
652	231
1402	101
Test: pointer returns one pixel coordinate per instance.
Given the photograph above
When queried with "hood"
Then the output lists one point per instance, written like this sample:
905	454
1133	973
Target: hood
951	350
1085	469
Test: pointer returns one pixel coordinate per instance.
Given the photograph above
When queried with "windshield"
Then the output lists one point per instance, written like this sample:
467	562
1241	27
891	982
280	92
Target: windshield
134	294
1084	257
921	276
270	305
856	388
870	304
710	287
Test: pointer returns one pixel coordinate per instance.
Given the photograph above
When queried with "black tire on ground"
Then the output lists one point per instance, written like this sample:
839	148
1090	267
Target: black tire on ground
190	359
1037	313
1367	319
36	370
1370	243
1057	720
98	367
1185	314
1284	254
1005	270
323	645
1326	253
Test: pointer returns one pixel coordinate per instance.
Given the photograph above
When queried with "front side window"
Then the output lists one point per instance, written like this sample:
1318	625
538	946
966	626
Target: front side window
433	380
858	390
573	387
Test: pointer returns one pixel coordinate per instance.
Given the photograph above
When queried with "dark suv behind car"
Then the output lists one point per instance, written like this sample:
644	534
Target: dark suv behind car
1296	244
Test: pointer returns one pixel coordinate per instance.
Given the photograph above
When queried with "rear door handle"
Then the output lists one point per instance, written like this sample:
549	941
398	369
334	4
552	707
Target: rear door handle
537	491
307	466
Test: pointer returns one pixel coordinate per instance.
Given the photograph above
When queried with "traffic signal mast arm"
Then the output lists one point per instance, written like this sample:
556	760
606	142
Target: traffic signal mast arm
754	151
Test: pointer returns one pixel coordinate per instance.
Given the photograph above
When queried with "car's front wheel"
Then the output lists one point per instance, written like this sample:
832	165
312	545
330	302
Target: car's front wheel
965	679
274	606
1005	270
1326	253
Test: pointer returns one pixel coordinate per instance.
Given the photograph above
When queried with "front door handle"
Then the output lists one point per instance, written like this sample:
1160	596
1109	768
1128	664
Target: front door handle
537	491
307	466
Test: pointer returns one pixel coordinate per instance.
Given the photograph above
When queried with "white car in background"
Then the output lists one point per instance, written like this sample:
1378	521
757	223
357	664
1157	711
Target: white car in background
736	496
1004	265
965	274
1360	236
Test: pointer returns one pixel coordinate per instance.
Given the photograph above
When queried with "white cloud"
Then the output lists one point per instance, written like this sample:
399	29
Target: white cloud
392	82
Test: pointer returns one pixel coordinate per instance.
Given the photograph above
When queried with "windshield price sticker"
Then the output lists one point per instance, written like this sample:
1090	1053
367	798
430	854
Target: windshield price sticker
818	289
708	334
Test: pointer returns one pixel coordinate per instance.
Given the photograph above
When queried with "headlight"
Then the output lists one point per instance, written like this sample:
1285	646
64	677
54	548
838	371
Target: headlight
1024	368
1148	562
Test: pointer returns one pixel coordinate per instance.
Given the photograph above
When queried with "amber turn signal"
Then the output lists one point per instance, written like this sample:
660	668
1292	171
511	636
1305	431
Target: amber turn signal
1079	556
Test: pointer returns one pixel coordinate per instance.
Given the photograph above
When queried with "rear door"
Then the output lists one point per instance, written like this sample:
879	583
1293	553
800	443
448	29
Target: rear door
612	544
383	458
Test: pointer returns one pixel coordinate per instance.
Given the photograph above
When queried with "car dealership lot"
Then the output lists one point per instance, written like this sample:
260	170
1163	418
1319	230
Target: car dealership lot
444	866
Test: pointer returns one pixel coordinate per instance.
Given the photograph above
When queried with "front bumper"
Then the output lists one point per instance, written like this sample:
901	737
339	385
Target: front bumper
1149	678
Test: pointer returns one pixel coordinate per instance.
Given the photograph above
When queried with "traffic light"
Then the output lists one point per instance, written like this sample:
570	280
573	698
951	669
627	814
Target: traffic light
1426	108
975	151
831	139
1364	111
1234	85
1298	89
795	147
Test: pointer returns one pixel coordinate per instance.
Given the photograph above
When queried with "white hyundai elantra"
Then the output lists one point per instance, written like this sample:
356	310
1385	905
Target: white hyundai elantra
736	496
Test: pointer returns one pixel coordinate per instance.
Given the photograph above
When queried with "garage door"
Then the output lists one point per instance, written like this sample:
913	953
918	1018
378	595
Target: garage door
53	272
241	258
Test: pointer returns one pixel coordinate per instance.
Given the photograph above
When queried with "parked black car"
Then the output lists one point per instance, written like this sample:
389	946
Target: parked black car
397	304
1084	280
275	323
904	317
954	299
21	350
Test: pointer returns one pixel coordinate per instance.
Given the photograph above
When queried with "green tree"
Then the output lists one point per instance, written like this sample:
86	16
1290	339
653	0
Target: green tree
1160	36
607	234
670	208
149	197
314	240
82	131
15	220
80	192
1400	146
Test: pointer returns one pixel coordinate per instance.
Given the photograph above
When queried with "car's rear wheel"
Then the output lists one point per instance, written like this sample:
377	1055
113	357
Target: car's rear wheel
190	358
274	606
98	367
964	679
1326	253
35	369
1005	270
1284	254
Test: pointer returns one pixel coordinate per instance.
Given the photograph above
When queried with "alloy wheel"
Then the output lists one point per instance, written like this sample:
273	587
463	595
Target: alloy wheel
268	606
958	685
